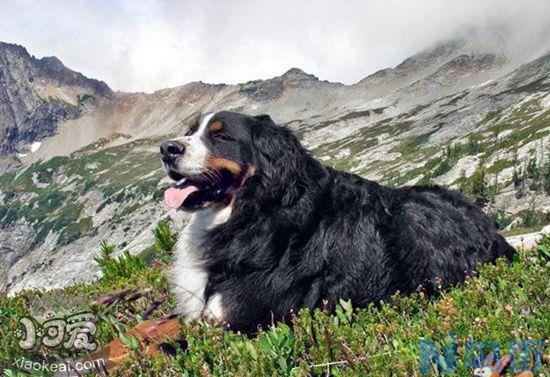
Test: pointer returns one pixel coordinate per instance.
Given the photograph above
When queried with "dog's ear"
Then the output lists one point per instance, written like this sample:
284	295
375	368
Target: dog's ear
279	160
264	118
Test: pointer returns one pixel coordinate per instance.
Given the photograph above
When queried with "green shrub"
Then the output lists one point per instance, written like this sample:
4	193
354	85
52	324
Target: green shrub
474	145
544	247
476	187
74	231
533	219
164	238
502	303
124	266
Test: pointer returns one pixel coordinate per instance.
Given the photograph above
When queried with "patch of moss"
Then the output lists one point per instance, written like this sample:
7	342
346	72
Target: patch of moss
74	231
412	144
499	166
6	179
120	215
362	114
491	115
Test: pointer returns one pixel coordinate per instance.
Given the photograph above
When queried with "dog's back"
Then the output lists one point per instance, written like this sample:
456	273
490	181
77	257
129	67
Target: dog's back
439	235
388	240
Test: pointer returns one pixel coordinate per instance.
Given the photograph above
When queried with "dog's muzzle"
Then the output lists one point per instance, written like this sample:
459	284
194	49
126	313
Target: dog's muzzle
171	150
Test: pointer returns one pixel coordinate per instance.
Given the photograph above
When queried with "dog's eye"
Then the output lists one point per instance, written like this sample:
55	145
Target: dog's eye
220	136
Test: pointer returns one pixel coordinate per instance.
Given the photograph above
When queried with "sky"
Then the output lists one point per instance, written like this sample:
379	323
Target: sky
146	45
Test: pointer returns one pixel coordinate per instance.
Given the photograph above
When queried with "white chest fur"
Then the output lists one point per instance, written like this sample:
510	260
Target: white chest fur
188	277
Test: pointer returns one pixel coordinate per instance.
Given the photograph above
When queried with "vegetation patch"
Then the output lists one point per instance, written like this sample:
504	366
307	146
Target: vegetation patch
74	231
499	166
503	304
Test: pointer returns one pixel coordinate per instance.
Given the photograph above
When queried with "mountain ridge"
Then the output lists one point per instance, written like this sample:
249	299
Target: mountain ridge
36	95
400	77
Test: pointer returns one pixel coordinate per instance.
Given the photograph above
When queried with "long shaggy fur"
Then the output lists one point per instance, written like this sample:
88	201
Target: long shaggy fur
301	233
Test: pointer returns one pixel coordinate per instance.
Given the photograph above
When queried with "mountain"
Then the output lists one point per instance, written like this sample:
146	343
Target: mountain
85	167
38	94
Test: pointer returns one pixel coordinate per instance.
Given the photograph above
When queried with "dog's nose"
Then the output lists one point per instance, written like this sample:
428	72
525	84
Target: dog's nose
170	150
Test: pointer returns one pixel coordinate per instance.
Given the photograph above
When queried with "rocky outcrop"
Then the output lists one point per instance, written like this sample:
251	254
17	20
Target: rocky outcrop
528	241
38	94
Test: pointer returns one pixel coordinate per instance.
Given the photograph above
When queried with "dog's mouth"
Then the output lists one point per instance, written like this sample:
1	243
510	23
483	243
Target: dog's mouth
199	191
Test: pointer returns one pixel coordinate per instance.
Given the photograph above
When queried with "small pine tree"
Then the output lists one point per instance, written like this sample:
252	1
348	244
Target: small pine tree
500	218
536	172
520	184
474	145
532	167
476	186
530	218
164	238
112	268
516	175
105	253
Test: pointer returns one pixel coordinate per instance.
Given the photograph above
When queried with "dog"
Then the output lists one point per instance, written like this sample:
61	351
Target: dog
272	230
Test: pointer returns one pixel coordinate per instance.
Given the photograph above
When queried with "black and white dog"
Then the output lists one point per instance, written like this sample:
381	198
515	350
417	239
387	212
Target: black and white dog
272	230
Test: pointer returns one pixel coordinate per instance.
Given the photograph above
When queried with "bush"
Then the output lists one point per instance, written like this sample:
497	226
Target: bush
474	145
532	219
164	238
544	247
125	266
476	187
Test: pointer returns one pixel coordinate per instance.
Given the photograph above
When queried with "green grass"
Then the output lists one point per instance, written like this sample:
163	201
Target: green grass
499	166
501	304
361	114
412	144
491	115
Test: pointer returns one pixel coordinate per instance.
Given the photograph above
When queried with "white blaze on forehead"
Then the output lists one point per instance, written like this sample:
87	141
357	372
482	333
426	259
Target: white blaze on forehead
203	124
196	152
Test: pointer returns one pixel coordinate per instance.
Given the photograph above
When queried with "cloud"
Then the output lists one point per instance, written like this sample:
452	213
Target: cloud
149	45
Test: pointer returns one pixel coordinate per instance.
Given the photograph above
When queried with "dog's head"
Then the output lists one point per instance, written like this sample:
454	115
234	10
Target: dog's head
219	152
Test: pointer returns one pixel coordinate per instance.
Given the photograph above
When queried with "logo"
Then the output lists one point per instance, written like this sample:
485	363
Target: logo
73	332
443	358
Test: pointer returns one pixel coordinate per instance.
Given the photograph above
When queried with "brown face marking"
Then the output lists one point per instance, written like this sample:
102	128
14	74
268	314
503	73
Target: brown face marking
220	163
216	126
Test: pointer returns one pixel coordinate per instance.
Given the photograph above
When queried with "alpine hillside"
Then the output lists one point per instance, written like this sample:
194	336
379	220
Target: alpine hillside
80	162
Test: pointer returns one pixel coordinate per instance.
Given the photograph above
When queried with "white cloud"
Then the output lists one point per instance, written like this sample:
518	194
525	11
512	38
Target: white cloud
148	45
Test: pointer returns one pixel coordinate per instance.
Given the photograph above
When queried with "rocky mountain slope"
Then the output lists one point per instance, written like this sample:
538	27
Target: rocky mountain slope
38	94
454	115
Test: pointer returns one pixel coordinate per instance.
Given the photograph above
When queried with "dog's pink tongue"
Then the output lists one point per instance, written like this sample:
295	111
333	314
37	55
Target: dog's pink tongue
174	197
